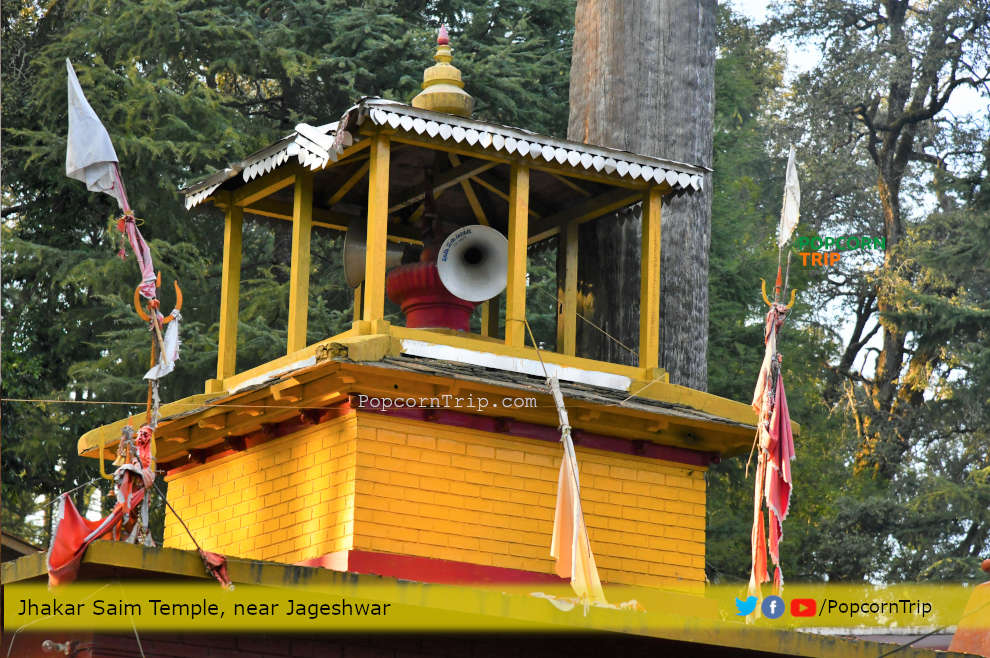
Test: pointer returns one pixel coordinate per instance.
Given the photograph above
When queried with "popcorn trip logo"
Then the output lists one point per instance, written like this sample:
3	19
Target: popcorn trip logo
821	251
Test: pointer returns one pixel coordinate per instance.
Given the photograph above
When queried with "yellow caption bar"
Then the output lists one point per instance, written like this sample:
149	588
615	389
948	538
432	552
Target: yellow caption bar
402	606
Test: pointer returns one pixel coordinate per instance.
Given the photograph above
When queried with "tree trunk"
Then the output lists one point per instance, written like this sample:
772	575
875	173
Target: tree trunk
642	79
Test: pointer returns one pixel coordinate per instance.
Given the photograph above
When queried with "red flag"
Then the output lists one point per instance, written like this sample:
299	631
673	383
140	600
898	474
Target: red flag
216	566
775	445
73	534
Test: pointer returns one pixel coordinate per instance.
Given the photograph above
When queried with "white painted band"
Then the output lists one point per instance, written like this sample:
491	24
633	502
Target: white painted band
514	364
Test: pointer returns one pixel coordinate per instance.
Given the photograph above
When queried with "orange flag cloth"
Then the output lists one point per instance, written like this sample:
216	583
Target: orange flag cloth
570	546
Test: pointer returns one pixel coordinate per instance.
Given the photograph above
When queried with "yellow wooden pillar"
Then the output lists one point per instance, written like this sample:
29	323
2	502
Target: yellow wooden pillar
567	332
489	318
515	294
302	226
358	298
230	292
374	264
649	282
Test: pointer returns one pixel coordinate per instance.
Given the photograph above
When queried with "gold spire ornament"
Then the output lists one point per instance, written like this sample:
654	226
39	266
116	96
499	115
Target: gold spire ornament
443	89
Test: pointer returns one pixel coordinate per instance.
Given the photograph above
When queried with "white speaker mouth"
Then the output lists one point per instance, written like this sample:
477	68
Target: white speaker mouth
472	262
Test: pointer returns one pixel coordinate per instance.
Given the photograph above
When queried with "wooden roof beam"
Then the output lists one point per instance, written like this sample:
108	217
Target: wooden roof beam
446	179
486	183
323	396
476	208
266	185
287	390
348	184
323	218
584	211
571	184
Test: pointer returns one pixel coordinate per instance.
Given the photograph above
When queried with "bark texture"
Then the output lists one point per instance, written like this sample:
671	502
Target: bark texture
642	79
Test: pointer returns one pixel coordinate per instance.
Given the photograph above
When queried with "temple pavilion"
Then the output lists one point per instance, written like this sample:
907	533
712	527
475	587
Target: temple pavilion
299	460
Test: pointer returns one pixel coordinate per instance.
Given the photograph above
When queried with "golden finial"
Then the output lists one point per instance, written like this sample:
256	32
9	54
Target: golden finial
443	89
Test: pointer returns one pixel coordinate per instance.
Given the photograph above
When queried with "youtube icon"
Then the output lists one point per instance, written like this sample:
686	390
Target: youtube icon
803	607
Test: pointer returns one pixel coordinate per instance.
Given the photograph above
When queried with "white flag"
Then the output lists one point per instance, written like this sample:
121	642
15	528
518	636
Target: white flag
170	352
791	209
89	154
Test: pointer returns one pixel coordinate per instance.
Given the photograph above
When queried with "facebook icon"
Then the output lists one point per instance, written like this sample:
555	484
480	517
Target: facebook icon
773	607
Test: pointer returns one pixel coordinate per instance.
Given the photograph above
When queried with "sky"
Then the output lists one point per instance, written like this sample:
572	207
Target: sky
964	101
755	9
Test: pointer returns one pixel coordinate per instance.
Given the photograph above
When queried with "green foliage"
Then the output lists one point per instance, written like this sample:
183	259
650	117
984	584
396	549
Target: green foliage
183	88
925	515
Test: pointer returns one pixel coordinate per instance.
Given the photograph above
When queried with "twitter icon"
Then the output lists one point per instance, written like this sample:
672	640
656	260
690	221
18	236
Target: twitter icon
745	607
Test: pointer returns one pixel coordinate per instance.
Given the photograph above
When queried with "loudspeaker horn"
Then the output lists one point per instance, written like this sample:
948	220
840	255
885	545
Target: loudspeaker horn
472	262
355	250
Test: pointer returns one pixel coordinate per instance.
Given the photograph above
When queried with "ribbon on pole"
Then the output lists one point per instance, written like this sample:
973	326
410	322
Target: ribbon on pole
91	158
774	441
128	521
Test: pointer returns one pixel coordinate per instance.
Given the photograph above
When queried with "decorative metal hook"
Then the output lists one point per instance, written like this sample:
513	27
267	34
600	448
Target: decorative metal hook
767	299
102	456
144	316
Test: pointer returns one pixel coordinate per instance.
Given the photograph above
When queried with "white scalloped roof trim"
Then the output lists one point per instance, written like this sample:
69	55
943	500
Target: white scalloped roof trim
537	149
313	146
197	198
316	146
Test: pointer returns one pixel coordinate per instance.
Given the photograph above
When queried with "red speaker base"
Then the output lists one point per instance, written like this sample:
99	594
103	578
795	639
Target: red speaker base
424	300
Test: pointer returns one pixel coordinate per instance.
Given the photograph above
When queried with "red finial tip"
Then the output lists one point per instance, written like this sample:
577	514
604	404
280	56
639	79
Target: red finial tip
442	38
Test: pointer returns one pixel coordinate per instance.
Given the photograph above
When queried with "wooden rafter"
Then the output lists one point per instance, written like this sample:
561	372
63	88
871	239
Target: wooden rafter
487	183
266	185
571	184
479	212
584	211
323	218
447	179
348	184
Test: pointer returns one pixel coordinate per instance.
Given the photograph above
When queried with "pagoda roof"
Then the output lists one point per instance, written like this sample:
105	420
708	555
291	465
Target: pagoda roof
317	146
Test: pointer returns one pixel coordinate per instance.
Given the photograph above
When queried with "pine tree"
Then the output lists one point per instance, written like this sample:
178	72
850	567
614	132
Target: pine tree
183	89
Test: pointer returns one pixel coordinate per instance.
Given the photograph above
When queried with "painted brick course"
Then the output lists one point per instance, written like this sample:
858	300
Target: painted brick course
285	500
465	495
399	486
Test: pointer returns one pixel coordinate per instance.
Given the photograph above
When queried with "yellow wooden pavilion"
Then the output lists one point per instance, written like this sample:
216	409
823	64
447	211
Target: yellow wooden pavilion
290	462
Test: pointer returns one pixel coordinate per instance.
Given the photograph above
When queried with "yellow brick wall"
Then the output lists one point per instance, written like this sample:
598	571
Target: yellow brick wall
458	494
286	500
398	486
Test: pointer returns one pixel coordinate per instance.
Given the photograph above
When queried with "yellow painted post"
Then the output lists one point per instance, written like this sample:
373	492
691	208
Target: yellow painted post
358	296
649	285
230	292
569	316
515	293
302	226
489	318
374	264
